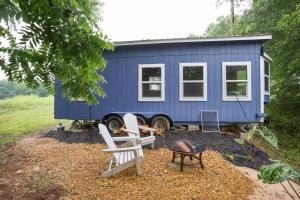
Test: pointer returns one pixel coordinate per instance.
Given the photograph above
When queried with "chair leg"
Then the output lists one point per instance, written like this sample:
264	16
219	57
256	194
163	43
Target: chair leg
137	163
200	160
173	158
152	145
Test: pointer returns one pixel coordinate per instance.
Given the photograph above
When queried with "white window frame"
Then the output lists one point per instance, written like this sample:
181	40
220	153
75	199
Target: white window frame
181	81
248	81
268	76
140	82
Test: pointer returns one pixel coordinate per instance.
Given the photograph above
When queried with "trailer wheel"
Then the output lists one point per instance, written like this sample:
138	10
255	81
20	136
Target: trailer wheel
114	123
161	123
141	120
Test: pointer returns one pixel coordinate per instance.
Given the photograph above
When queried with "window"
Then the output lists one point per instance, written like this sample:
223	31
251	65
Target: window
236	81
267	76
193	81
151	82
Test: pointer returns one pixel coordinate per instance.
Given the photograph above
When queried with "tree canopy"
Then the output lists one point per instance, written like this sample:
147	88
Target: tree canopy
222	27
54	39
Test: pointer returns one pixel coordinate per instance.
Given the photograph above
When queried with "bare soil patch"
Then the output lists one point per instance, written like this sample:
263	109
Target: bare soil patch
15	184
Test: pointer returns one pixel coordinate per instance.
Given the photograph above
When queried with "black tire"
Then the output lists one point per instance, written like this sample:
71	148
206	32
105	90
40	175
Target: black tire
114	123
141	120
160	122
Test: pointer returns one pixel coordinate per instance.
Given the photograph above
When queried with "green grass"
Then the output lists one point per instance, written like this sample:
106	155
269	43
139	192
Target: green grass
23	115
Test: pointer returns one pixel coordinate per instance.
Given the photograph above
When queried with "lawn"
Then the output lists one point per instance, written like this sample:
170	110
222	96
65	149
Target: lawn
22	115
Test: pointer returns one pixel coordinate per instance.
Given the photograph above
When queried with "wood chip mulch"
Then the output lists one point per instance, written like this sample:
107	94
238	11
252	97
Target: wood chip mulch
77	168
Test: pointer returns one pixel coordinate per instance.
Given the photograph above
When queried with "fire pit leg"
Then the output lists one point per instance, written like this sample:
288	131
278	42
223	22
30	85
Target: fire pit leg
173	158
200	160
182	161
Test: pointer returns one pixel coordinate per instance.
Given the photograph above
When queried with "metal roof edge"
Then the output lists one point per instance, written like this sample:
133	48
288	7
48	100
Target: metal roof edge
194	40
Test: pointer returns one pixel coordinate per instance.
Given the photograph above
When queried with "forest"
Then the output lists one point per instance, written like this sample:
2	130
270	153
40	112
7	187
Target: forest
281	19
10	89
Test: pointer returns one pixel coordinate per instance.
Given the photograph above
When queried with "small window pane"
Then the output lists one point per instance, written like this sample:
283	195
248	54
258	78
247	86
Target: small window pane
151	74
193	89
193	73
151	90
239	89
236	72
267	66
266	84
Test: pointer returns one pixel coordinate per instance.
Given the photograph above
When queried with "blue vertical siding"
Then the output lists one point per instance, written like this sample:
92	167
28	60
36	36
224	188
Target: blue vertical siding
121	74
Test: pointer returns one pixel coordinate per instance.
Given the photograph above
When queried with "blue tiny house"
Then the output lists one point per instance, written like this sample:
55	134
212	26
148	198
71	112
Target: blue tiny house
168	82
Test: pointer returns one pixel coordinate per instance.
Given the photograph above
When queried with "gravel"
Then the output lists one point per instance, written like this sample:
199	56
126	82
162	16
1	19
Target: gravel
222	143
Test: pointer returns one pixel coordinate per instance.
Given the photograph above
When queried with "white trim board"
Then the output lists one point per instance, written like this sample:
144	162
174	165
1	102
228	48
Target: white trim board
224	81
266	75
267	57
262	87
140	82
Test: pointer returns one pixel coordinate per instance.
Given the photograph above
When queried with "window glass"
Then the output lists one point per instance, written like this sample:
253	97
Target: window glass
151	74
193	73
236	88
193	89
236	72
151	89
267	65
266	84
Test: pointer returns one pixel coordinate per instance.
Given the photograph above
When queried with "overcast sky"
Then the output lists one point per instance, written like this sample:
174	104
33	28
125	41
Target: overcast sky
157	19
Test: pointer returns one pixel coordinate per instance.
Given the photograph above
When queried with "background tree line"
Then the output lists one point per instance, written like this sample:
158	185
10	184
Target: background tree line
281	19
10	89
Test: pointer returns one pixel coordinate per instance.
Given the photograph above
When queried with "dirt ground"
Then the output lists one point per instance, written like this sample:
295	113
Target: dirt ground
45	168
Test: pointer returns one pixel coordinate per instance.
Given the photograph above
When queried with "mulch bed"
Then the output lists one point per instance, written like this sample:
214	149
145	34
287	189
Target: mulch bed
77	168
222	143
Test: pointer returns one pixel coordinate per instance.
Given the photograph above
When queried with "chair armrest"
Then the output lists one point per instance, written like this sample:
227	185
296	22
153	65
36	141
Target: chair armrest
129	131
123	149
124	138
147	128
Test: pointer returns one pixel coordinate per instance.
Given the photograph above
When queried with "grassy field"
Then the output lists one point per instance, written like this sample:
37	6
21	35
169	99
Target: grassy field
24	115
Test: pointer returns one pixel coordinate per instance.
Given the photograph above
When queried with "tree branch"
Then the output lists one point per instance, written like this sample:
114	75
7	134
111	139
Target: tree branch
50	2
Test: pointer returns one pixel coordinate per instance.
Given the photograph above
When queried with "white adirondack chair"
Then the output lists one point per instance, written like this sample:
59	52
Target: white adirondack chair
133	129
122	158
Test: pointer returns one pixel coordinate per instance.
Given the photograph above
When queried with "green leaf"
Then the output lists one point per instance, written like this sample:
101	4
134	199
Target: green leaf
265	133
239	140
277	172
59	40
229	156
269	136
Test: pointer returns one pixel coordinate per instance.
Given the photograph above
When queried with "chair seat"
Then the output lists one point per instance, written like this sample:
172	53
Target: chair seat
124	157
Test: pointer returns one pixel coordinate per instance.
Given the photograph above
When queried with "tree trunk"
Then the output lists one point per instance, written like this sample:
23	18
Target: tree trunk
232	11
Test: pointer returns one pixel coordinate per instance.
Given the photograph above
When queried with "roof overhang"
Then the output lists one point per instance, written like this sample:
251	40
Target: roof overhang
267	57
263	38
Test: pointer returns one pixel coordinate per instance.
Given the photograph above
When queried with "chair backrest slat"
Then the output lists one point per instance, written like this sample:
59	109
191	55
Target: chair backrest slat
131	123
